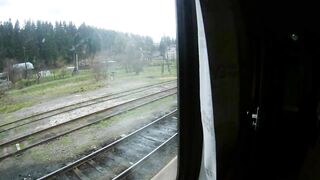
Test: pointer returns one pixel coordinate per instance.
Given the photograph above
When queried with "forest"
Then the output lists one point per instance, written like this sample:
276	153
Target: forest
49	46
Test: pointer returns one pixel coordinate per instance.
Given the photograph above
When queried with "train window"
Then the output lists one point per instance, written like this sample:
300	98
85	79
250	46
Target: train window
88	89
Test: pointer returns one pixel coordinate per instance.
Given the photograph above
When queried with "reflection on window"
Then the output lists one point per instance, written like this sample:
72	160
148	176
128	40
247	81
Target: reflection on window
87	89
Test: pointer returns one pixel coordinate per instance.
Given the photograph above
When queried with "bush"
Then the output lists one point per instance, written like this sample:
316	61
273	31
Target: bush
2	93
25	83
60	73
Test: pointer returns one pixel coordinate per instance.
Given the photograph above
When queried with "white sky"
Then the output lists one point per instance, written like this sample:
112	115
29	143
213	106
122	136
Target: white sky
154	18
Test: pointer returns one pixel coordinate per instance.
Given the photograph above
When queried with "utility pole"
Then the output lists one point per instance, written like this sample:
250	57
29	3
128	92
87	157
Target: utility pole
25	62
76	63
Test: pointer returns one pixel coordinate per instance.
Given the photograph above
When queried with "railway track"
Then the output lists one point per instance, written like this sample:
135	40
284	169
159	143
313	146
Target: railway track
16	144
147	167
43	115
120	158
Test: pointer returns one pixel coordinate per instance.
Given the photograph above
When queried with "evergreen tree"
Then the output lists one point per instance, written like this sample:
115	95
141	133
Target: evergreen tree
47	45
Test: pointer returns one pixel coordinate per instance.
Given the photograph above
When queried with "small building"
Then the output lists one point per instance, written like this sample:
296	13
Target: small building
22	70
23	66
156	55
171	52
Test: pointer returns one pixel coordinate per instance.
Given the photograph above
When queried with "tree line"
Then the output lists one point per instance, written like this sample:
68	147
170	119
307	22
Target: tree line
49	45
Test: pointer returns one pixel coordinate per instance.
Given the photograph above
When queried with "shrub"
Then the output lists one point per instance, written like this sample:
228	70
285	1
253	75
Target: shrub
25	83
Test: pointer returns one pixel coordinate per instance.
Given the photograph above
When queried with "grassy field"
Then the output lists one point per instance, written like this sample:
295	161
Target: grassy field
16	99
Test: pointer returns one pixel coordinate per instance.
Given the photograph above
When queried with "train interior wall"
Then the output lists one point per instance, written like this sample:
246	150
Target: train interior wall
264	54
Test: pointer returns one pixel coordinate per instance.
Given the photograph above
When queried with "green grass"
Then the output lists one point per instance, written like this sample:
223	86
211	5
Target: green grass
84	76
16	99
40	155
10	107
137	111
65	140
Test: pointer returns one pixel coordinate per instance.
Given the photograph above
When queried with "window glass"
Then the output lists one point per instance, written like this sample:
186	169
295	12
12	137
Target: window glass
88	89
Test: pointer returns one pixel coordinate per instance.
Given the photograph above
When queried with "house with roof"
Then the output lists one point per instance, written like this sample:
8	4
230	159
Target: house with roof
22	70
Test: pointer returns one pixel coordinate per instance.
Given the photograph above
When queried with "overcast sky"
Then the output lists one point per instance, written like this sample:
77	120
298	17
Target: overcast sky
154	18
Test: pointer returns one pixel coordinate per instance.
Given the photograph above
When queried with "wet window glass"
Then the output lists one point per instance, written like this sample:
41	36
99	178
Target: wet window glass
88	89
